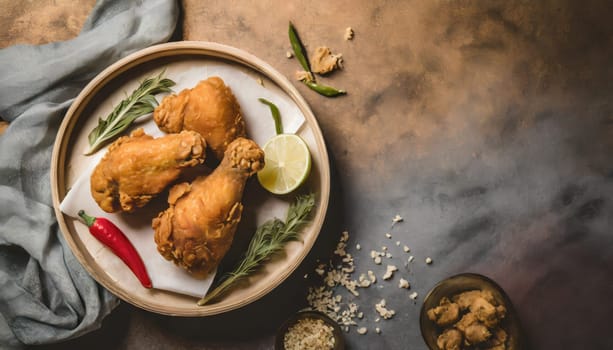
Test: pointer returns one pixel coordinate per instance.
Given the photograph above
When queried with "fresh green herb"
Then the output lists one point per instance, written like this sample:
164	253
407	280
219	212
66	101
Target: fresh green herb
269	239
324	90
141	102
300	54
276	115
298	48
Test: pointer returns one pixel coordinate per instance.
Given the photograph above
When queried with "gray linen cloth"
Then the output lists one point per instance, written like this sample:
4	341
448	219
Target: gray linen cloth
45	294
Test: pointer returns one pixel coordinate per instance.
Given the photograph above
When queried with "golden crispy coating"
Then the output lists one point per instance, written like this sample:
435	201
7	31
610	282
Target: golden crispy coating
196	231
465	299
138	167
479	324
485	312
476	333
450	339
210	108
444	314
497	341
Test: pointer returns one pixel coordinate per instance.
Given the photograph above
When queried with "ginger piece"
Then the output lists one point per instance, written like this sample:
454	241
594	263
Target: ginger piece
497	341
476	333
450	339
444	314
466	320
501	311
485	312
465	299
474	317
324	61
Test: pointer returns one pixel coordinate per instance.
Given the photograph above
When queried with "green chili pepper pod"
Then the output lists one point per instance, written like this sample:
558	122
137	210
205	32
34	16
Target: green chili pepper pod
298	48
324	90
276	115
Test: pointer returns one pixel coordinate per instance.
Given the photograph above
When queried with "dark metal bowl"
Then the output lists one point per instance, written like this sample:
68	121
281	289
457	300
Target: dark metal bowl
464	282
339	340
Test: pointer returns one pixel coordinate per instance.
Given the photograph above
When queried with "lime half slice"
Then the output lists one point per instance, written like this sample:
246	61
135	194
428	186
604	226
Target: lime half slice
287	164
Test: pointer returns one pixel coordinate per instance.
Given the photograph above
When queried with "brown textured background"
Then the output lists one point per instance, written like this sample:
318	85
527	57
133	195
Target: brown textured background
487	125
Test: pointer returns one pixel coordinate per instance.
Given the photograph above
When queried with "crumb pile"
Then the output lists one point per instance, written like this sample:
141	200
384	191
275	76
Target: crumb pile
338	274
309	333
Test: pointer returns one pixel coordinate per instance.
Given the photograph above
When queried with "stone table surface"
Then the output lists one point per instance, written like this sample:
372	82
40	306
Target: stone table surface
487	126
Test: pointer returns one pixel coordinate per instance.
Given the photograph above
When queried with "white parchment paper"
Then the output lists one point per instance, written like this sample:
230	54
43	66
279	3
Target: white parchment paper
260	127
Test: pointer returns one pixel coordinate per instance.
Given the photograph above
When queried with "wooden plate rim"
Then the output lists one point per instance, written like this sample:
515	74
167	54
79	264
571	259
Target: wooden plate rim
209	49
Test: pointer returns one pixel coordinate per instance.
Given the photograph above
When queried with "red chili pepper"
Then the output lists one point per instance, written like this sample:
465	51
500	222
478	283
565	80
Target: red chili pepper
111	236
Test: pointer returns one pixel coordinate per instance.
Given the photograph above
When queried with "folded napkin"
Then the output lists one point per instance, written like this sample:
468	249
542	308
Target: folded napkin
45	294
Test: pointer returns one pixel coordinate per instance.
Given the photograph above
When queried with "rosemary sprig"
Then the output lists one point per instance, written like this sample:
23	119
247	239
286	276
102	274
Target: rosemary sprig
142	101
269	239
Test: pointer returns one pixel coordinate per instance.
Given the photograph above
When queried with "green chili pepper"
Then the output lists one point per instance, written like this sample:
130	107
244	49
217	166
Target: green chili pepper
300	54
276	115
324	90
298	48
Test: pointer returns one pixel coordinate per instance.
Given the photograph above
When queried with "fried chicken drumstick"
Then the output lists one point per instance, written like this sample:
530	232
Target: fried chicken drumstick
138	167
196	231
210	108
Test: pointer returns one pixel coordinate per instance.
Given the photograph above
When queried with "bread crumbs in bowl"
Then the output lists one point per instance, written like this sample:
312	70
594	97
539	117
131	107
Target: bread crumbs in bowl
309	330
469	311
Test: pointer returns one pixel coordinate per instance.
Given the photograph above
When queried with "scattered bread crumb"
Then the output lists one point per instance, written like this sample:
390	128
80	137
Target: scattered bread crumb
323	61
383	311
397	218
349	33
304	76
260	81
363	281
338	273
372	277
389	272
289	54
362	330
388	235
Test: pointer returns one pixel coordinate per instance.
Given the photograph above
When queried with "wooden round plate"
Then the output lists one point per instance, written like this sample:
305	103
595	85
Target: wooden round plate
68	162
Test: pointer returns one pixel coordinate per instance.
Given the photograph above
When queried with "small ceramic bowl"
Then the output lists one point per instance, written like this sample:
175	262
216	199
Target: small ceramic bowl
464	282
339	340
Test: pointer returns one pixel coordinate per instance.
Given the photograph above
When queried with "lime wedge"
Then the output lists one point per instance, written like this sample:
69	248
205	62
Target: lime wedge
287	164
